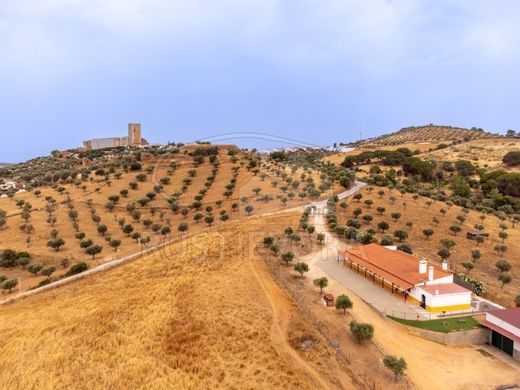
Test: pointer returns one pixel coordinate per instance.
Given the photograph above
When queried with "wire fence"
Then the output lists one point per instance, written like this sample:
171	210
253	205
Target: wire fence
357	367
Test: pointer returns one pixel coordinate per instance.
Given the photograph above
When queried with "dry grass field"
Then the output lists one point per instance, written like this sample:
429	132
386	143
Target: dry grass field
421	216
484	153
428	133
92	196
197	315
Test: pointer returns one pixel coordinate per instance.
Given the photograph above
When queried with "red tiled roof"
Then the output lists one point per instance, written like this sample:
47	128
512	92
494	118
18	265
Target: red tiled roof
511	316
396	266
445	288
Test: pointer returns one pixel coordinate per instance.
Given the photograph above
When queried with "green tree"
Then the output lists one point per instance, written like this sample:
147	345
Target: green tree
444	253
383	226
428	233
56	243
468	266
401	235
343	302
503	265
48	271
504	278
34	269
287	257
102	229
301	268
248	209
361	331
321	283
320	237
114	243
93	250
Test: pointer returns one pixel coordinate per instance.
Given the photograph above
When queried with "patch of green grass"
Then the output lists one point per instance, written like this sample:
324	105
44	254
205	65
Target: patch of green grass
444	325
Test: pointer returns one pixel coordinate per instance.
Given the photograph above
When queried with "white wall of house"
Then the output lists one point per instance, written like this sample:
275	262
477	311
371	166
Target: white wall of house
441	300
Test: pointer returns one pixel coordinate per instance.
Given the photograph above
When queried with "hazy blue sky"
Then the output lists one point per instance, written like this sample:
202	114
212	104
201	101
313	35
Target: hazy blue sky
319	71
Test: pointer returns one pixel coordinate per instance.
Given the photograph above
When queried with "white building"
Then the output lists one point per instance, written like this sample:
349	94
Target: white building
429	285
505	330
7	185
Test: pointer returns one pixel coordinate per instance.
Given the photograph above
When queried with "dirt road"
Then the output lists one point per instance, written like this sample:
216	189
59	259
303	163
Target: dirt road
281	319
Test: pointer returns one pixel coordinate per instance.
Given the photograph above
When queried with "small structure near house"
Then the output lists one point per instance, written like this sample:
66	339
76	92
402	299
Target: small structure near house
504	326
473	234
329	299
430	286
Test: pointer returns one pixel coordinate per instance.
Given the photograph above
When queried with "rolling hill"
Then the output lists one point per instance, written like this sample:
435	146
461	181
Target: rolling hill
428	133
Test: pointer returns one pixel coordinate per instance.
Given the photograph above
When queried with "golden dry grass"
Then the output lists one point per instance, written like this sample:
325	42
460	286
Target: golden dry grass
484	153
195	316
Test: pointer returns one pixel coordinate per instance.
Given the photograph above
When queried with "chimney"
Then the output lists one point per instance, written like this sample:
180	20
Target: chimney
430	273
444	265
423	266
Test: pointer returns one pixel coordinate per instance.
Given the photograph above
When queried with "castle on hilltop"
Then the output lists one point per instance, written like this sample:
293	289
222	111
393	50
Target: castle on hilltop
133	139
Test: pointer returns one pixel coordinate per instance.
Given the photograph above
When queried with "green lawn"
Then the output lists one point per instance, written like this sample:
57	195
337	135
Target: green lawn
444	325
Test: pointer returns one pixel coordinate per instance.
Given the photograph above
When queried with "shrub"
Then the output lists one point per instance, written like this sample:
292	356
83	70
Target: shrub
361	331
394	364
77	269
512	158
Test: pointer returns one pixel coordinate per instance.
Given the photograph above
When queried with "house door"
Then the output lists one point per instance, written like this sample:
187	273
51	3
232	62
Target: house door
423	301
502	342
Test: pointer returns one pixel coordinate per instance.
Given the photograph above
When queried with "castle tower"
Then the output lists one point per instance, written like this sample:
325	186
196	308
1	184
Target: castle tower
134	134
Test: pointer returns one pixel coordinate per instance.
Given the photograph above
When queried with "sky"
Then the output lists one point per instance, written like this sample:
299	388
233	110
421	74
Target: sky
311	71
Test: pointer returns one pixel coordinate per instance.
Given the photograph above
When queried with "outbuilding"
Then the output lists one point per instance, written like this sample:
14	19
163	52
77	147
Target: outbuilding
504	326
473	234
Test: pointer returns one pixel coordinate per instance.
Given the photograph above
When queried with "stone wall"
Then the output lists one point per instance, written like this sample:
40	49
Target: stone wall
461	338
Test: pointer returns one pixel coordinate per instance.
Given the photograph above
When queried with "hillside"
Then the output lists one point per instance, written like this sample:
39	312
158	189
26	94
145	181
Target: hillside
124	208
194	316
428	133
484	153
423	213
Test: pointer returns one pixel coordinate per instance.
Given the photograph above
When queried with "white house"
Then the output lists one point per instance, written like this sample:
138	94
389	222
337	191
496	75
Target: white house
430	285
505	330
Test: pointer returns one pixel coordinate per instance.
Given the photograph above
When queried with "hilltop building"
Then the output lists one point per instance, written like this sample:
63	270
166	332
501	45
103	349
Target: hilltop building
431	286
134	138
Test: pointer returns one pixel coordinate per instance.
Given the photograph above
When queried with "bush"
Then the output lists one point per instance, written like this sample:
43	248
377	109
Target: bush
512	158
396	365
77	269
361	331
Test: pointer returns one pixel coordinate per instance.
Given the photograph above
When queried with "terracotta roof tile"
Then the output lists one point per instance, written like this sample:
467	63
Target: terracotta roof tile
511	316
396	266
